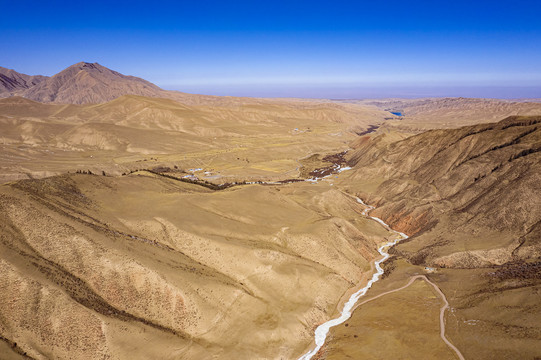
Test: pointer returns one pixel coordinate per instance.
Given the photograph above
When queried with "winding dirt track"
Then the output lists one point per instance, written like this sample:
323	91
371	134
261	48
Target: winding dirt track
442	310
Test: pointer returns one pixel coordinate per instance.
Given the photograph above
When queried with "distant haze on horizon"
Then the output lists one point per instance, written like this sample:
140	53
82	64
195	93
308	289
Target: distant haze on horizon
318	49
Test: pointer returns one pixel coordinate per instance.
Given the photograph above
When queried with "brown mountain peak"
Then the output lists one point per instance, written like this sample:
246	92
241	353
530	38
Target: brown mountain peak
86	82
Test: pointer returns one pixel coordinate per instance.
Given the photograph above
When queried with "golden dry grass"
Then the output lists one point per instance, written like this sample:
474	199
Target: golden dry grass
143	266
252	139
147	264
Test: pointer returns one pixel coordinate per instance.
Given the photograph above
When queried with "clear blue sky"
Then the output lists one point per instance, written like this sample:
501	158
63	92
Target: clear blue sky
332	49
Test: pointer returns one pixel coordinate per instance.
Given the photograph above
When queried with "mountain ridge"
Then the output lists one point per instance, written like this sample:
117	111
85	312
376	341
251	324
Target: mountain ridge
11	80
91	83
85	83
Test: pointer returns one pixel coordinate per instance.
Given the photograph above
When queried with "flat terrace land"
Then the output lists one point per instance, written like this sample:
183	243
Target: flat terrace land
401	324
377	328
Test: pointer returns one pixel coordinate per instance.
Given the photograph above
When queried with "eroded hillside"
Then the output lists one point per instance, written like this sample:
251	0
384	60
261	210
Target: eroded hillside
148	267
470	199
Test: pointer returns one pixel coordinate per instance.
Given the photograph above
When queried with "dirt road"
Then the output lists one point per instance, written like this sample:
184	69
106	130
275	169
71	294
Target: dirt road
442	310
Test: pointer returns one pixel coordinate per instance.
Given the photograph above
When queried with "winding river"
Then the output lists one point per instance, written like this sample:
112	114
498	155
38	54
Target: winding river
323	329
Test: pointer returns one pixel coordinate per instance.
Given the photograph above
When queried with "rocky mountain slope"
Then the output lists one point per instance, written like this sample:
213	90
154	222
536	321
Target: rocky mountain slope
11	81
84	83
468	171
470	199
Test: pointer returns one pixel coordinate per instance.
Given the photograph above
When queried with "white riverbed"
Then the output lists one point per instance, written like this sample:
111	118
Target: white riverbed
322	330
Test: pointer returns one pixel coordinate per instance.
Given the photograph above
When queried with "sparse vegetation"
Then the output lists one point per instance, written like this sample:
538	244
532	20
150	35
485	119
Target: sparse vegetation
146	263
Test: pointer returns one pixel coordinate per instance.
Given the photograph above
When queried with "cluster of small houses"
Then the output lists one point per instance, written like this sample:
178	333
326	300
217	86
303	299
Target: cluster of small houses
192	176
